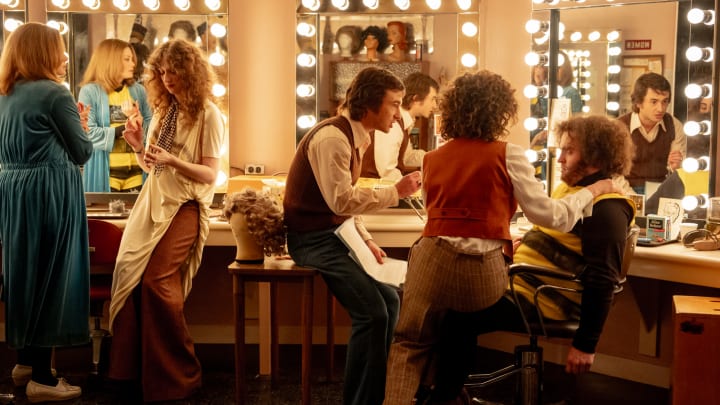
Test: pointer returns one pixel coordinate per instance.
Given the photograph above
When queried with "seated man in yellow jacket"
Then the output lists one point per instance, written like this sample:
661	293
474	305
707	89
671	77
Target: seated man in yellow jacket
592	148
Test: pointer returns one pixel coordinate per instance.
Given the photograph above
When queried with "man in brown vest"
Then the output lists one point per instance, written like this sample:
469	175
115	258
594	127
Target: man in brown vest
321	194
659	139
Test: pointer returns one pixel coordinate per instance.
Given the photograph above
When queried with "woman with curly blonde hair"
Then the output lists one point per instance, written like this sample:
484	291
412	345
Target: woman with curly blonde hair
472	186
163	241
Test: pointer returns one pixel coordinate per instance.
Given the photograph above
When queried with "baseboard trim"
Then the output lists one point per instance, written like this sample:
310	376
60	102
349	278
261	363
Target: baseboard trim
556	352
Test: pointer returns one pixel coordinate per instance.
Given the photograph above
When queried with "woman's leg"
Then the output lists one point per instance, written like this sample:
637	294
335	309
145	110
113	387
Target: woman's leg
170	369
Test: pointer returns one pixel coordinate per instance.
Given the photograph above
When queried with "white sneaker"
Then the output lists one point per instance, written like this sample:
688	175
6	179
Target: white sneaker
43	393
21	375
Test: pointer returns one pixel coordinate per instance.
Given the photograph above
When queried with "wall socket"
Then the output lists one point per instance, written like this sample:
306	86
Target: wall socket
254	169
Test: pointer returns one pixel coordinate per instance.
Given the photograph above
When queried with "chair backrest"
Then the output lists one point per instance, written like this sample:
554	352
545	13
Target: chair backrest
104	240
564	328
630	243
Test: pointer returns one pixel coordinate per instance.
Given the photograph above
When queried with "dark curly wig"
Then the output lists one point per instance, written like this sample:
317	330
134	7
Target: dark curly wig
478	105
379	33
604	143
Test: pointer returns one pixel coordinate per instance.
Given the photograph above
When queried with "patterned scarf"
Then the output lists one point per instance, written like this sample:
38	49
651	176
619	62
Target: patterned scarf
168	128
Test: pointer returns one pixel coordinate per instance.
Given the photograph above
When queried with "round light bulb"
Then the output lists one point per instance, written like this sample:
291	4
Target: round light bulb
532	59
613	106
690	203
594	36
469	29
531	155
613	88
691	128
306	121
576	36
532	26
530	91
306	60
613	36
693	90
614	51
433	4
468	60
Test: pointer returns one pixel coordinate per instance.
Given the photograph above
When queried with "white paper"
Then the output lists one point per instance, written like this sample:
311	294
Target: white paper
672	208
392	271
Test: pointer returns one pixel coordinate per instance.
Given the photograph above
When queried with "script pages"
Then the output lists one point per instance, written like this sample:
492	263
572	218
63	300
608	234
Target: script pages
391	271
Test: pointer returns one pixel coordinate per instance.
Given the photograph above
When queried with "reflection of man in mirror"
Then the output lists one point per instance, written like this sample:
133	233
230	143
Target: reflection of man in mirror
182	29
142	52
659	139
391	155
347	39
375	40
396	32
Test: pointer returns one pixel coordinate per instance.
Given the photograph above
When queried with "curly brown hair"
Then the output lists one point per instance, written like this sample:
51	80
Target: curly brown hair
478	105
189	63
603	142
263	215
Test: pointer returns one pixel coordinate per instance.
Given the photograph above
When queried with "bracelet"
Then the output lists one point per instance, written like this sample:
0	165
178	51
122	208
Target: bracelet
138	152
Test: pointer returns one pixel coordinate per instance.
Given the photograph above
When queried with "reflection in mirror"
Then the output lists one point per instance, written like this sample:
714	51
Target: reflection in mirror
13	15
646	48
204	23
438	40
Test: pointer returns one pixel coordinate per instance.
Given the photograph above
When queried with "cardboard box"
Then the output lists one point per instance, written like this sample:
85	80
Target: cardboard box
696	352
658	227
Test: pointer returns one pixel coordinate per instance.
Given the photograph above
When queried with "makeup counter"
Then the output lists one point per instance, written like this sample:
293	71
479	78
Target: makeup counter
636	343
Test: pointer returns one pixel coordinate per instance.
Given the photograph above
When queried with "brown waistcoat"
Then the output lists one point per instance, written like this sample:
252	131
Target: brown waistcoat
304	206
650	161
468	190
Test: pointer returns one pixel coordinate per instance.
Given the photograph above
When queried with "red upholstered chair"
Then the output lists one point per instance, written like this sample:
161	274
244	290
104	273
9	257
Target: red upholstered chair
104	243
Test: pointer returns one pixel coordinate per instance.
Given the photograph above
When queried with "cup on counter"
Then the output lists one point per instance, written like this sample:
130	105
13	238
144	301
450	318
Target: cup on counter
686	227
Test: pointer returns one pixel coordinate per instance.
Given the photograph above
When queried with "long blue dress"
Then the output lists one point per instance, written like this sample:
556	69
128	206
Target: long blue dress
43	226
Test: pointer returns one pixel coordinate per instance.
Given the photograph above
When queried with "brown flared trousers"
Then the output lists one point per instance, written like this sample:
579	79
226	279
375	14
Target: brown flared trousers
151	341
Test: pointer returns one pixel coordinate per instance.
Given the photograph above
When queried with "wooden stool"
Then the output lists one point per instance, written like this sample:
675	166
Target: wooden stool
276	271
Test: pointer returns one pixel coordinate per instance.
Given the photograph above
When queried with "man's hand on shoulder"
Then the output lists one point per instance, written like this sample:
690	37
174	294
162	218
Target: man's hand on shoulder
578	362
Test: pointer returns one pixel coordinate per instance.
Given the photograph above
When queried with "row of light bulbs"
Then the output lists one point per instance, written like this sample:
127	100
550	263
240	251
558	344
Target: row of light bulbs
124	5
403	5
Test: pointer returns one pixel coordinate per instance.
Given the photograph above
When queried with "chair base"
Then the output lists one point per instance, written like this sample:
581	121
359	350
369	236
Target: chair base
97	335
528	370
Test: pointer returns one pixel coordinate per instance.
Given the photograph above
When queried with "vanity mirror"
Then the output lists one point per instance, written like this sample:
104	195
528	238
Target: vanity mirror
13	14
147	23
442	40
660	47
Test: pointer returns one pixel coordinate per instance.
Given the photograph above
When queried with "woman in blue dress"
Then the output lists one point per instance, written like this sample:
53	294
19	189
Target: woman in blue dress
43	226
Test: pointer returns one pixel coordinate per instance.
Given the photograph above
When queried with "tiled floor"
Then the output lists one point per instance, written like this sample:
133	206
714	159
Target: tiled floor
218	381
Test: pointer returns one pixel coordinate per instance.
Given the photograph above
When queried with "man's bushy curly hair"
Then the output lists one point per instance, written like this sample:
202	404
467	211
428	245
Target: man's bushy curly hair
478	105
603	142
263	215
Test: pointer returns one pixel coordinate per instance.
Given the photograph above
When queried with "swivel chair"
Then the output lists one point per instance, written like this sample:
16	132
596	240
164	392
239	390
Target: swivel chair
528	363
104	240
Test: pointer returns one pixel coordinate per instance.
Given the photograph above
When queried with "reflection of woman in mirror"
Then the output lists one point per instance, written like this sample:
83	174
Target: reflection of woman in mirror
375	40
109	88
182	29
347	39
396	33
165	234
539	106
565	80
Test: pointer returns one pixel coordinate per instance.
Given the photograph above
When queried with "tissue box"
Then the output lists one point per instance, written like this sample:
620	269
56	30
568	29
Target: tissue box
658	227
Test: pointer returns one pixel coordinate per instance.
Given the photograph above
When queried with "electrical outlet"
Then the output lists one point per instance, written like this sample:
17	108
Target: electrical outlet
254	169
